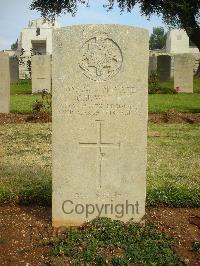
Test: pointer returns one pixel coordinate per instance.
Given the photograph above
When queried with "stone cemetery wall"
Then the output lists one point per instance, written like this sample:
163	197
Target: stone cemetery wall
183	72
164	67
4	83
14	69
41	73
100	81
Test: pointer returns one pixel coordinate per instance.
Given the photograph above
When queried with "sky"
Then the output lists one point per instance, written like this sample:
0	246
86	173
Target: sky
15	15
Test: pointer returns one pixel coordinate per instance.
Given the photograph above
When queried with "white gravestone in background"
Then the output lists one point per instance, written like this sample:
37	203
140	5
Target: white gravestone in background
4	83
183	73
100	76
41	73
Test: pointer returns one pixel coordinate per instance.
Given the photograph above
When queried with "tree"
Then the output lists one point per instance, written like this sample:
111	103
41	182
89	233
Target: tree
157	38
14	46
183	14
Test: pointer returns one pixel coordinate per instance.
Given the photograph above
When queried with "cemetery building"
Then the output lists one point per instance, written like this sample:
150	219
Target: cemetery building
35	39
178	43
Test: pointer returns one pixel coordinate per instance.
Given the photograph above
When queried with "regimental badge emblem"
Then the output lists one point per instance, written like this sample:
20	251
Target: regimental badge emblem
101	58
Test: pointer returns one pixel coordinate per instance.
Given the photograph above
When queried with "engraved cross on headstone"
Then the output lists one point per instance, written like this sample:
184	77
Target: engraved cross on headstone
99	144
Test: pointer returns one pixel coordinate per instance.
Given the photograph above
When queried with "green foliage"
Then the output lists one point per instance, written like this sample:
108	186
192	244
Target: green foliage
155	88
157	38
14	46
153	83
180	13
103	241
196	246
44	105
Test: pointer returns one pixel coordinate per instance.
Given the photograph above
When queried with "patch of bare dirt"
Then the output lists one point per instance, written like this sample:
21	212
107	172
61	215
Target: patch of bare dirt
174	117
166	117
24	118
182	224
24	230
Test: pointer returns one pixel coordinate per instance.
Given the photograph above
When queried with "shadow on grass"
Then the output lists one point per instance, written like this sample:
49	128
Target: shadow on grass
26	187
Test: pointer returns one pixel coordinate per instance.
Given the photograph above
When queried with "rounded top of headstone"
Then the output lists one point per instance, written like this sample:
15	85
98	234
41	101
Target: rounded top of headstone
103	26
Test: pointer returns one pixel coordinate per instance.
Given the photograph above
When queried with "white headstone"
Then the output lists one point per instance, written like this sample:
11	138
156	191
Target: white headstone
100	81
4	83
183	73
41	73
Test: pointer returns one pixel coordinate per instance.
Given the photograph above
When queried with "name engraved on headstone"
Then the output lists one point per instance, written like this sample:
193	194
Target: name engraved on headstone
92	103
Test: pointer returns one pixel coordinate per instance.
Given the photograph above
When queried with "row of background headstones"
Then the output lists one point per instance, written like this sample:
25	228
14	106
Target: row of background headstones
77	127
121	134
181	72
178	67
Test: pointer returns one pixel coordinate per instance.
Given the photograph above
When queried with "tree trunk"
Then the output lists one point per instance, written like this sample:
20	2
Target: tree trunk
193	31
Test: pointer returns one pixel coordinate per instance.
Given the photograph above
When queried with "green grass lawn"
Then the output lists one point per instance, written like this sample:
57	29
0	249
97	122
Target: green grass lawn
189	103
22	100
23	103
157	103
21	97
173	164
21	87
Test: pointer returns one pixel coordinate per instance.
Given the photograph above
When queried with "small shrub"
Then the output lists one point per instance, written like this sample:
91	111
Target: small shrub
44	105
153	83
167	91
196	246
155	88
136	244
